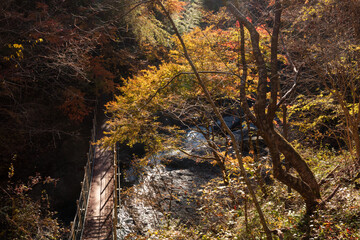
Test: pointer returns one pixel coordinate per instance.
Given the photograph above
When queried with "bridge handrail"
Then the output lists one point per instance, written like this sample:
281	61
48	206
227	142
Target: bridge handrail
77	226
116	195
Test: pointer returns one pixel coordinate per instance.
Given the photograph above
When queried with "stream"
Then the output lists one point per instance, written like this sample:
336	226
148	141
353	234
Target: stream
169	186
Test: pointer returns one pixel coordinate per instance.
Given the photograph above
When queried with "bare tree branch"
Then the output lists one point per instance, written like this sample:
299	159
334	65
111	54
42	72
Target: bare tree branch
260	104
218	115
178	75
274	76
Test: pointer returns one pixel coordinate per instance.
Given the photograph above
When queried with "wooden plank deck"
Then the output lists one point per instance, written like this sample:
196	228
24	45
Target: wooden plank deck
98	221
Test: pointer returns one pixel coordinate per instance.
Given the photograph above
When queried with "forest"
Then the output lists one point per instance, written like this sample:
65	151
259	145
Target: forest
233	119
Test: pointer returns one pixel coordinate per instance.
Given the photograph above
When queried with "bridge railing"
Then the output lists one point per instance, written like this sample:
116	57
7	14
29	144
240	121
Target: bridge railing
77	226
116	195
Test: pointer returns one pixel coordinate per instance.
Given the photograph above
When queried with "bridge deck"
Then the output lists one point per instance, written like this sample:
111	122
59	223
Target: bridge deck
98	221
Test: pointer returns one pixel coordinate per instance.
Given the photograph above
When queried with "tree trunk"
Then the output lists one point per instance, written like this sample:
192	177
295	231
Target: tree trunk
306	184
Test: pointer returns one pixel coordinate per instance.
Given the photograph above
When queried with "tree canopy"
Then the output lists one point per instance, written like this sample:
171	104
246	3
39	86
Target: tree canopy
287	72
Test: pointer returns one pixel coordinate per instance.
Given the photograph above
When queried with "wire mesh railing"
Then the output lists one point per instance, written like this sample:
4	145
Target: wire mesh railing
77	226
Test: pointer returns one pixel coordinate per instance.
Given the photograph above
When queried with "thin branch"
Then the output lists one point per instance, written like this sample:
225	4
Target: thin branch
288	57
195	156
223	124
328	198
297	73
290	91
184	73
322	181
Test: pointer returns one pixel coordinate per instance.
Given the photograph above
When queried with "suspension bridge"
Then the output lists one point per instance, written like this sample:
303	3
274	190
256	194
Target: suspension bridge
98	204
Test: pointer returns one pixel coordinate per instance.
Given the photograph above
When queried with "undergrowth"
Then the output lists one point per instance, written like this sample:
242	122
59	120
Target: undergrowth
228	213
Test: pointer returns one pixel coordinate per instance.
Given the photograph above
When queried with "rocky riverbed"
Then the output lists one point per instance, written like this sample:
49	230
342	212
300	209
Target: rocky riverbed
169	186
165	191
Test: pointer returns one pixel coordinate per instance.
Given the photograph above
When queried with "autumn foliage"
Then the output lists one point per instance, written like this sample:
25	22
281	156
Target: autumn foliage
227	65
288	71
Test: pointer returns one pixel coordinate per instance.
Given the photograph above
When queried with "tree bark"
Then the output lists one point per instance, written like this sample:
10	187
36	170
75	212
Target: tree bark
306	183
